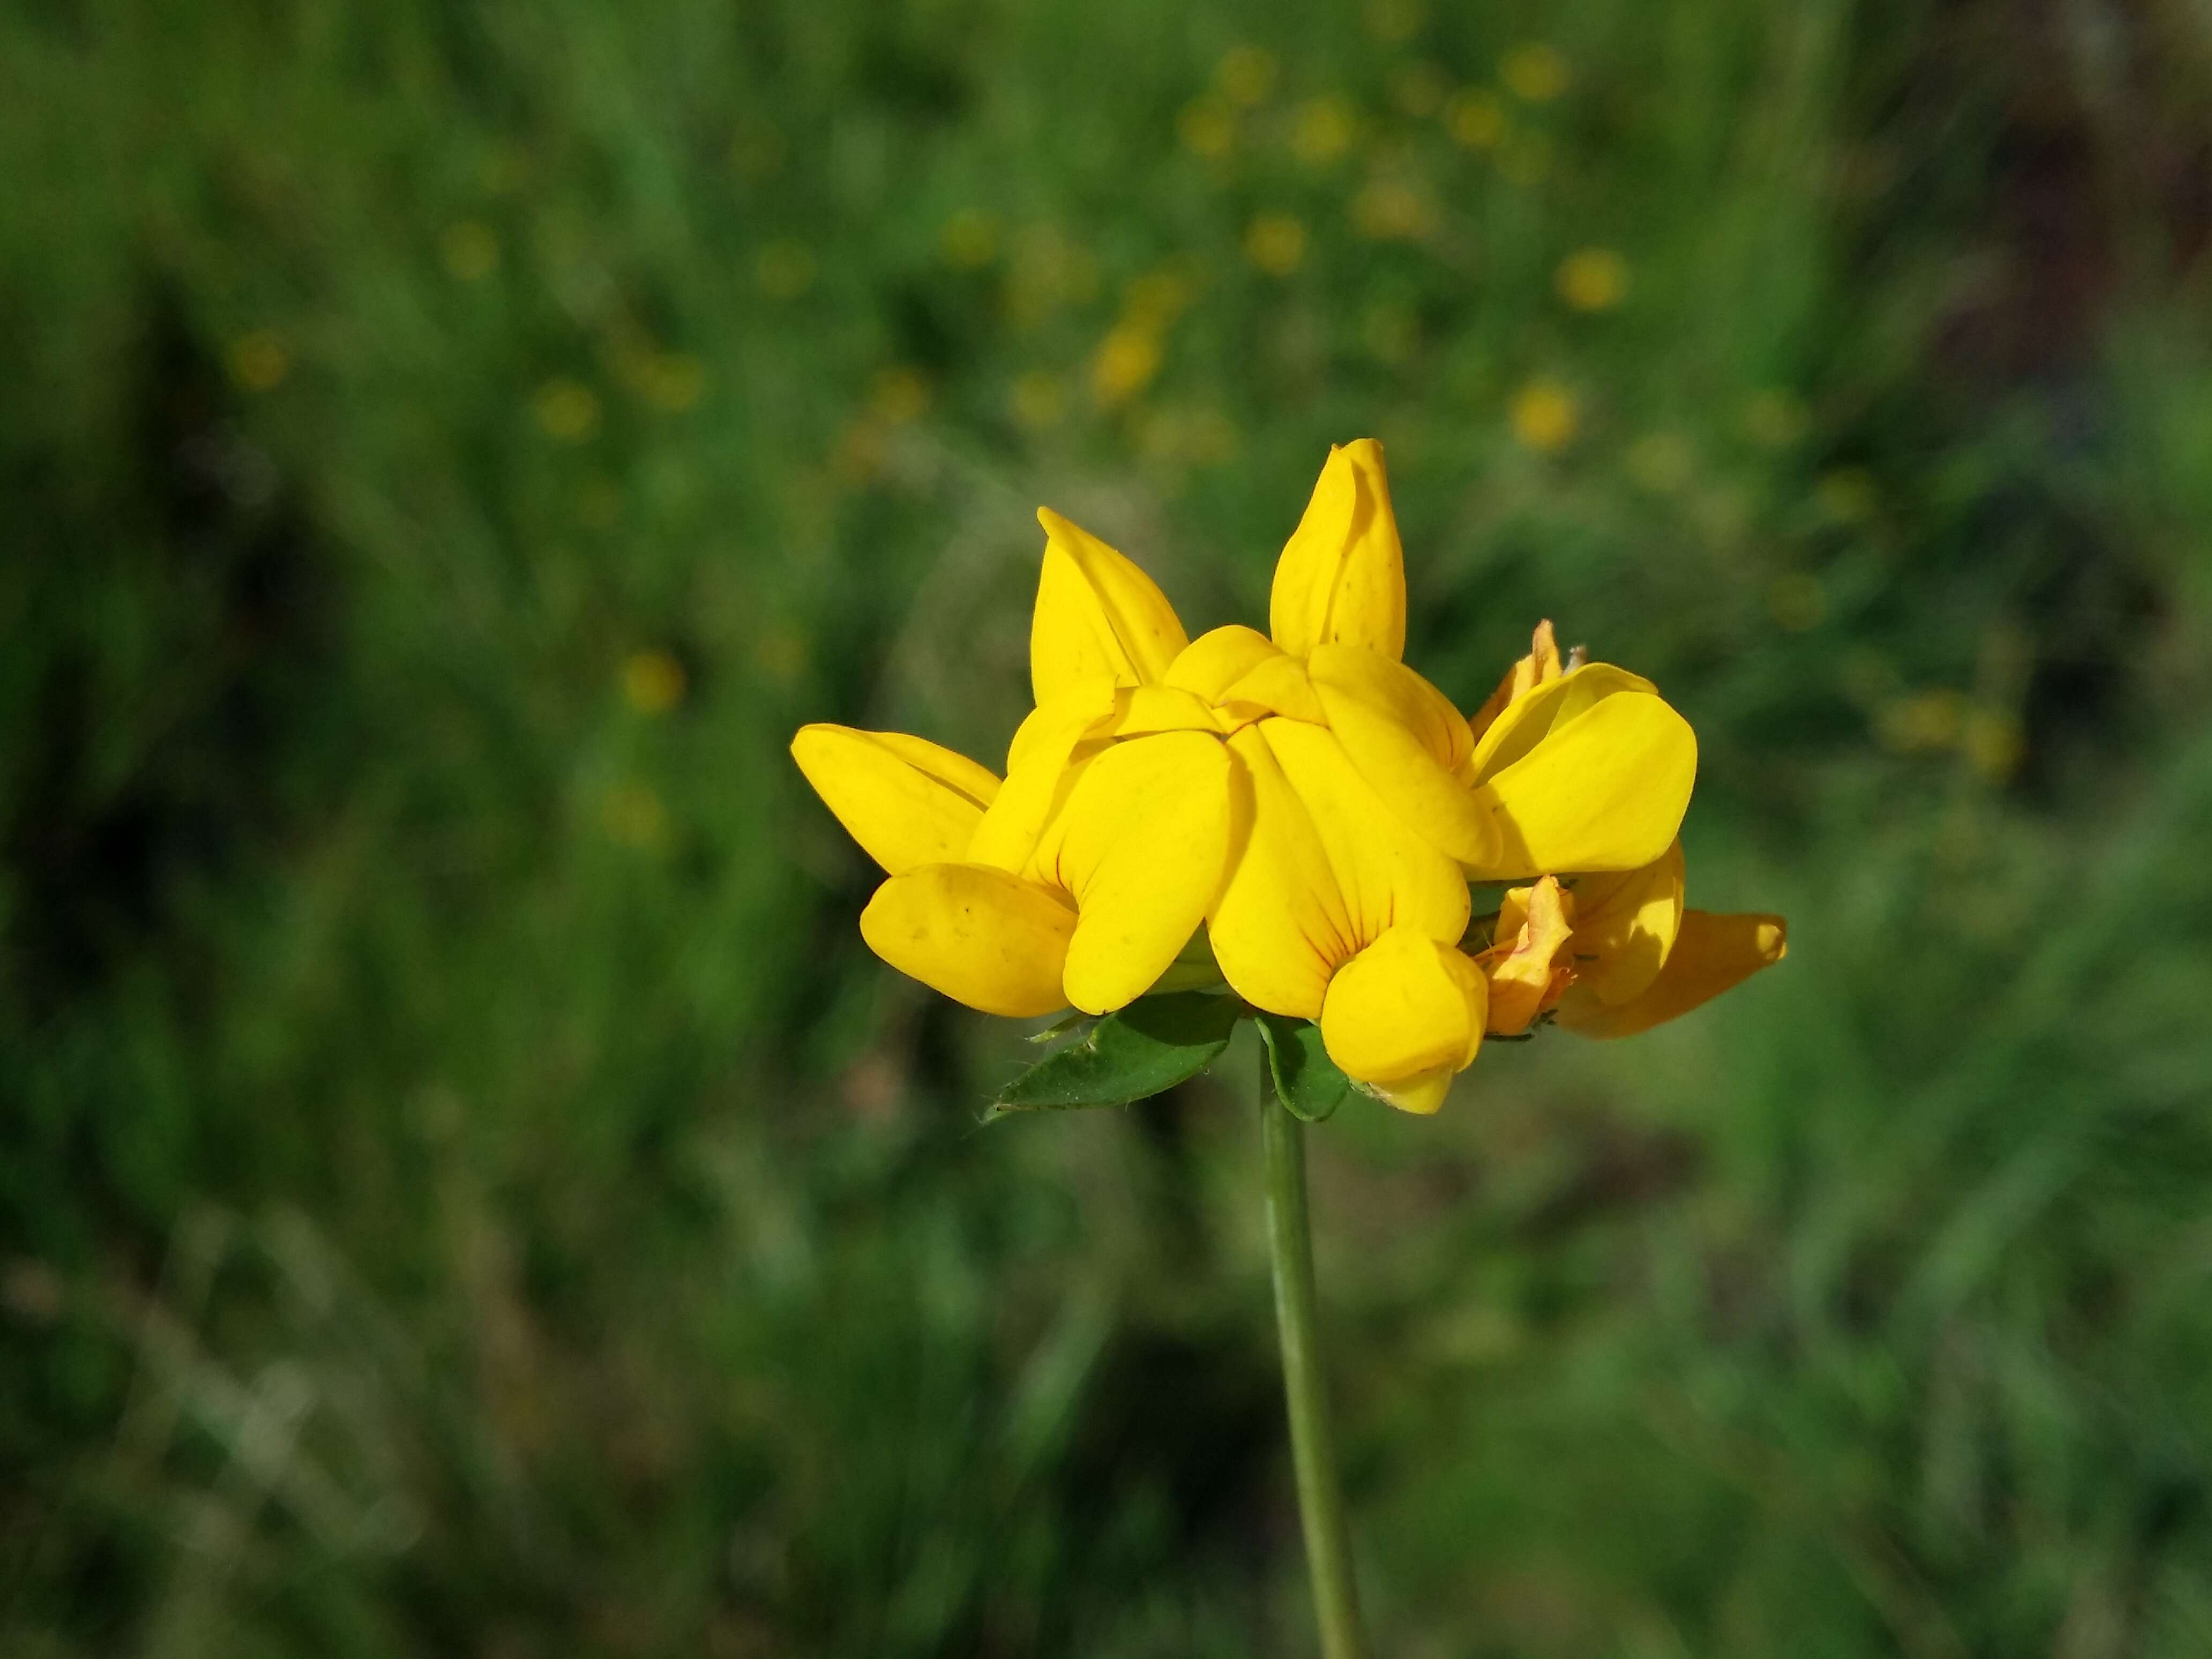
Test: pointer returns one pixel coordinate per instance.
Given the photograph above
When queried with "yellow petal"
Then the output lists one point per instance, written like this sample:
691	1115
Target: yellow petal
1391	724
1530	718
1278	928
1039	773
1527	968
1143	709
1625	924
1217	659
905	800
1422	1096
981	936
1097	615
1342	575
1388	875
1711	954
1604	791
1143	845
1404	1007
1388	686
1276	686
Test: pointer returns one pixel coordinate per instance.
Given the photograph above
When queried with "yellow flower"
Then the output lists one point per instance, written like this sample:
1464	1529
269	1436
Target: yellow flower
1544	416
1592	279
1315	803
1276	243
1535	71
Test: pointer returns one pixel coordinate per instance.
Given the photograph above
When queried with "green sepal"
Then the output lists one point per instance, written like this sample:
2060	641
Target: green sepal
1153	1044
1307	1081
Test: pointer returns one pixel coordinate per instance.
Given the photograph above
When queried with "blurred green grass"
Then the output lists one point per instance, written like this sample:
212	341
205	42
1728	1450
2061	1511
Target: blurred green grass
464	1186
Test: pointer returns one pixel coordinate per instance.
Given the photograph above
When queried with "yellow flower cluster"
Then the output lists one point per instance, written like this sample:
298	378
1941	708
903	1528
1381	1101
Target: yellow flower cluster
1299	814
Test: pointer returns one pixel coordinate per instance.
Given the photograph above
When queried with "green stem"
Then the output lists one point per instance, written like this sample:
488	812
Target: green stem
1313	1447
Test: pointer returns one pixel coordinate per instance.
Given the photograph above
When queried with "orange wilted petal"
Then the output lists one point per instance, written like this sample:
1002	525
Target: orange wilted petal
1528	971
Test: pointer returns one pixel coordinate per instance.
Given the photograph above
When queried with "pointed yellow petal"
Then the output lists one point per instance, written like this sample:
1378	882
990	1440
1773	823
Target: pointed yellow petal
1406	738
1527	968
1217	659
1625	924
1388	875
1405	1006
1342	575
1540	667
1605	790
1711	954
1097	615
905	800
1143	844
1278	928
981	936
1530	718
1038	773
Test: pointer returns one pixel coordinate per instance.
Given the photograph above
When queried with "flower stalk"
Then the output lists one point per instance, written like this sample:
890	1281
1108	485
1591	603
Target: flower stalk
1305	1388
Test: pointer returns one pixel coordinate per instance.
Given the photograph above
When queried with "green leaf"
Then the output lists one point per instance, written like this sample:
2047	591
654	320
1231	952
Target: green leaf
1307	1080
1153	1044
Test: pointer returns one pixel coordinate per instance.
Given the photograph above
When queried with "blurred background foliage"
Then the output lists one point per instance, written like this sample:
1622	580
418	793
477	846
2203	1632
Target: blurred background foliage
465	1188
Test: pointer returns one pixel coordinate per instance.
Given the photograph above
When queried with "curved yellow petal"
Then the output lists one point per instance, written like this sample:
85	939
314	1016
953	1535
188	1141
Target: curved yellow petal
1217	659
1143	844
906	800
1406	1007
1423	1095
1342	574
1625	924
1278	686
1605	790
981	936
1530	718
1403	743
1711	954
1140	710
1388	686
1388	875
1096	614
1039	772
1278	928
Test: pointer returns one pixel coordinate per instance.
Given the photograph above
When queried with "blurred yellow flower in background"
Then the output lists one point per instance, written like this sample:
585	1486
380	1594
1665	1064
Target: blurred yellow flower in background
1322	131
1475	118
1124	362
1393	209
652	682
258	361
1661	462
785	269
1775	418
469	250
1545	417
1246	74
1039	400
1207	127
899	395
1276	242
566	409
1534	72
1592	279
970	240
